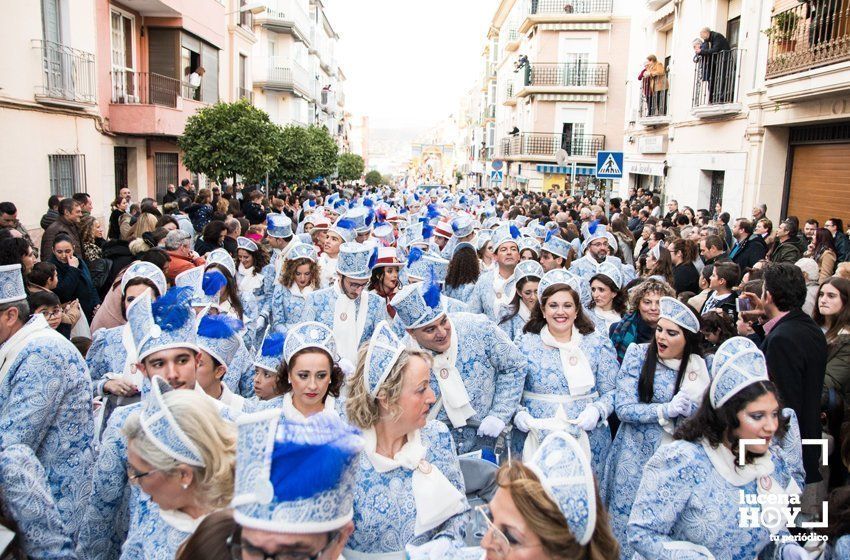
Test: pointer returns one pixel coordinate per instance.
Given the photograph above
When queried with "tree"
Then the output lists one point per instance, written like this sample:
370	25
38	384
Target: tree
350	167
373	178
229	139
306	153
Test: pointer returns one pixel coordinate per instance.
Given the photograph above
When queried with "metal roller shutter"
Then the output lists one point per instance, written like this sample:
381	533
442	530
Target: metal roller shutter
818	188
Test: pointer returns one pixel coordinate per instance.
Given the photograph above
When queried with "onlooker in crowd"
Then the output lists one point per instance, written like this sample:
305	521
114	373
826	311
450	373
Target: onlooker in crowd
713	249
724	277
9	220
698	300
716	328
119	219
842	244
253	209
47	303
749	248
52	213
85	202
672	210
15	250
66	224
75	281
212	238
784	248
109	315
811	272
146	220
833	315
170	194
44	278
234	230
809	229
822	250
91	235
638	326
759	212
200	213
178	245
683	253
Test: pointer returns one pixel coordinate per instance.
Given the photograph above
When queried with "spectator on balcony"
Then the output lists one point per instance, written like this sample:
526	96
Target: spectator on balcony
653	79
717	69
195	82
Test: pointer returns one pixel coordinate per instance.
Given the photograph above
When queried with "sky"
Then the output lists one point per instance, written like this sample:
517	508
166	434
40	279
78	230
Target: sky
407	63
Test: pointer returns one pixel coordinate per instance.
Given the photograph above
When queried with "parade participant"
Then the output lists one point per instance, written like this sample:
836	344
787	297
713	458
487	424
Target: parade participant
442	233
638	326
268	373
658	383
484	249
478	372
228	300
45	398
522	291
338	234
309	374
294	486
597	249
180	453
463	272
299	278
362	217
112	356
555	252
347	308
548	507
609	301
249	277
219	343
573	379
409	488
385	282
278	235
529	249
489	297
704	475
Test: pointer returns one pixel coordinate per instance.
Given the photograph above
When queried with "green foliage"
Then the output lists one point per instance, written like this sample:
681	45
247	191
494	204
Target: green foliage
374	178
227	139
306	153
350	167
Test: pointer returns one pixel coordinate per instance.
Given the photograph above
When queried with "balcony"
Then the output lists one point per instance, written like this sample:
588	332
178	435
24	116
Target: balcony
541	146
282	74
564	78
716	81
513	40
654	101
490	112
286	16
244	93
150	104
809	35
510	98
565	11
68	76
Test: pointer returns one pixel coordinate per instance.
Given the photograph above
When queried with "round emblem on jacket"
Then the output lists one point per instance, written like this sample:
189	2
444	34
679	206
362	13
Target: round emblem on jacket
425	467
573	361
444	373
692	376
343	316
766	482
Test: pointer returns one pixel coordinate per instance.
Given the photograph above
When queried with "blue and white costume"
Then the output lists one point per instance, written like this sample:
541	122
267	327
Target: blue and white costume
513	325
46	404
278	226
288	302
488	296
301	337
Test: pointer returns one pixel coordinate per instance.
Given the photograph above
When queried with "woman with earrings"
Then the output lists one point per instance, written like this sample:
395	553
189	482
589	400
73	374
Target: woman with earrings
181	455
310	375
409	491
571	386
521	290
658	383
696	490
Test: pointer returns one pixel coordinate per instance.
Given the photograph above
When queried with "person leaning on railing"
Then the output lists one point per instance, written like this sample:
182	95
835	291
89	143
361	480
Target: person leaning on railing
653	78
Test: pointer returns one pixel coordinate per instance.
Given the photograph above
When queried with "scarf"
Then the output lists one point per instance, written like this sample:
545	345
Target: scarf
574	364
436	498
293	414
453	394
523	311
35	329
609	317
348	322
501	299
180	521
300	293
695	383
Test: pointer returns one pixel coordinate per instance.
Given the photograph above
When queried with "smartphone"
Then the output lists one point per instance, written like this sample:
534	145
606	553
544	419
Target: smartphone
743	304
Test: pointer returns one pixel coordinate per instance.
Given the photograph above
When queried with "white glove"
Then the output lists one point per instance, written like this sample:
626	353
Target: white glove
589	418
679	406
522	420
491	427
261	323
434	550
794	551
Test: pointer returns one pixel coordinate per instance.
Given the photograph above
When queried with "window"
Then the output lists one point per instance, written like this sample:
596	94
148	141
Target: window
67	174
717	179
123	77
121	168
733	27
166	172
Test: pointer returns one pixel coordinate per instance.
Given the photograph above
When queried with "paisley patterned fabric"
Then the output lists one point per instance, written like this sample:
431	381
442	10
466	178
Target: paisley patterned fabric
462	292
586	268
384	509
106	354
286	308
483	298
320	307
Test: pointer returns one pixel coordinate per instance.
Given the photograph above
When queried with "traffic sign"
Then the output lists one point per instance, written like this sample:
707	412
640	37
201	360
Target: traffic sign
497	165
496	176
609	165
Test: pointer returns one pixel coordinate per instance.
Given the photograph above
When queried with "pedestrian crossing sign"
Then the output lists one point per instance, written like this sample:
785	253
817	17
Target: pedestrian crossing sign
609	165
496	176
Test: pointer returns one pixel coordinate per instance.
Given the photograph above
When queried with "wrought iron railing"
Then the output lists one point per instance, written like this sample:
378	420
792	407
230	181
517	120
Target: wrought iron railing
246	94
716	78
567	74
549	7
509	90
490	112
654	96
145	88
67	73
547	143
809	35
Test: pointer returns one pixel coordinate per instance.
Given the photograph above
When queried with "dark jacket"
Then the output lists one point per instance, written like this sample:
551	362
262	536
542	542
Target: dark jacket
796	360
719	258
75	283
61	225
635	225
752	251
838	369
716	43
118	251
169	197
254	213
48	218
786	251
727	305
202	247
200	215
686	278
842	246
230	246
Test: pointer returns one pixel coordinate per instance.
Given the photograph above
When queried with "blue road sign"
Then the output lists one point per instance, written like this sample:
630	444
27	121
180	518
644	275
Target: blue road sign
609	165
496	176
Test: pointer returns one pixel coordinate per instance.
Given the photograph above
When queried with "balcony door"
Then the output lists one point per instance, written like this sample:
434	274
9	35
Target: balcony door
124	89
53	62
574	56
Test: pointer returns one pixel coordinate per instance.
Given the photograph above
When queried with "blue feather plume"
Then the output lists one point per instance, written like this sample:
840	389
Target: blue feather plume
339	203
431	295
492	202
414	255
549	235
402	210
455	226
273	345
373	258
416	197
219	326
172	310
427	231
213	282
462	199
370	217
345	223
367	202
515	232
433	212
591	227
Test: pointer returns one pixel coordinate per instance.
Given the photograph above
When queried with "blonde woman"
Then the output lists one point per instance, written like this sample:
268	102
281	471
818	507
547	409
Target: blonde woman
181	455
409	489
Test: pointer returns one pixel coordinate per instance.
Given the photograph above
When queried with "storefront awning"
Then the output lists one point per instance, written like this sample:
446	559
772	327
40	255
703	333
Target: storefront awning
565	170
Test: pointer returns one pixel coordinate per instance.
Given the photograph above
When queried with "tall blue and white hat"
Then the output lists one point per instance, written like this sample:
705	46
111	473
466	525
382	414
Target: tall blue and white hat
535	229
483	237
491	223
309	335
160	426
279	226
737	364
302	251
521	221
592	231
362	217
270	354
523	269
190	278
505	234
207	294
295	477
422	265
219	336
562	277
12	284
463	225
383	232
354	261
674	310
383	352
166	323
144	269
529	243
247	244
344	228
418	304
567	477
411	234
222	257
555	244
611	271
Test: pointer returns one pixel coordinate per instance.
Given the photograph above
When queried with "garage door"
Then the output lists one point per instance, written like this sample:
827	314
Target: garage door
820	176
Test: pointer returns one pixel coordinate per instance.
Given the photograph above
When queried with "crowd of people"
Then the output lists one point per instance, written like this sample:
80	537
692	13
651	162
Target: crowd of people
333	370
